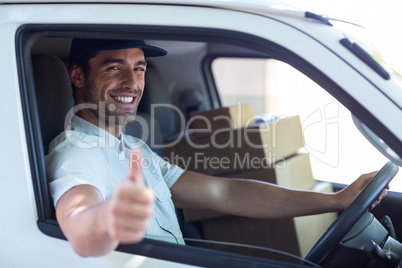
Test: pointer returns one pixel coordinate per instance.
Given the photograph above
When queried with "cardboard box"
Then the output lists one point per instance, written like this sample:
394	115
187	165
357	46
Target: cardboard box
232	117
294	235
294	172
310	228
229	151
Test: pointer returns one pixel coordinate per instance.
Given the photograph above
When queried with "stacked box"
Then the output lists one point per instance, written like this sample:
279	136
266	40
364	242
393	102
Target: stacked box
232	117
267	151
232	150
310	228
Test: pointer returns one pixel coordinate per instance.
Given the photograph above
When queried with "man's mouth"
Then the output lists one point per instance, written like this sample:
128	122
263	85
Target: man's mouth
123	99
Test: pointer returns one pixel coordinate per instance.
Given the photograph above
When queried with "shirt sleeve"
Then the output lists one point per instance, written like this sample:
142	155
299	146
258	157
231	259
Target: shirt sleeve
170	173
68	166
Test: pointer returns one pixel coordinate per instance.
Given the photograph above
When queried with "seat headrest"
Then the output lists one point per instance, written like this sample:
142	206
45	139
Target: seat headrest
53	93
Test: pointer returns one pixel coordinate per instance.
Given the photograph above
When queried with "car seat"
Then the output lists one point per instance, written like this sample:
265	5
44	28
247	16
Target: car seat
54	100
53	94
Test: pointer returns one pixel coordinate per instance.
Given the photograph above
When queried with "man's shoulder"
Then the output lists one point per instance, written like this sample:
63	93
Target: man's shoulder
70	139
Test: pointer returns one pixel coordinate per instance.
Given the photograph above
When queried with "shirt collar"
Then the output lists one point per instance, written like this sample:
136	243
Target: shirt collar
81	125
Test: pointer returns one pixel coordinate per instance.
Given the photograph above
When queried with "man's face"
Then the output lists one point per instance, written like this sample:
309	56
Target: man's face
116	82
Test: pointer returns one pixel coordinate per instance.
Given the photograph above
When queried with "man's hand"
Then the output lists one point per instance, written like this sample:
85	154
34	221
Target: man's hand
347	195
131	205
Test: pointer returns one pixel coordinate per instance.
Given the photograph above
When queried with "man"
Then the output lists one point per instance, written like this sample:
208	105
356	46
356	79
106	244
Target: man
100	204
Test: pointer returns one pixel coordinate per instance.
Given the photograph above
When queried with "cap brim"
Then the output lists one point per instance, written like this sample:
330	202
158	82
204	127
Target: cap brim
149	51
79	47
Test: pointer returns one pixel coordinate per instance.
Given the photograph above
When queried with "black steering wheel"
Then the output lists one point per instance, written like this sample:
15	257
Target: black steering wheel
352	214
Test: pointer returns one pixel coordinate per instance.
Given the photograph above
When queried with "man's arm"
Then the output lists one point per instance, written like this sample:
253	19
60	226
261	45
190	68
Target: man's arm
95	227
257	199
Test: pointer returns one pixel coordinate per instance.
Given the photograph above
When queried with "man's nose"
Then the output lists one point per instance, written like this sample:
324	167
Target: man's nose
129	80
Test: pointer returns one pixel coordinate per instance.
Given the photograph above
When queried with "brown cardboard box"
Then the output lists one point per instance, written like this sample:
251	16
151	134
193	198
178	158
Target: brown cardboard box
232	117
229	151
294	235
310	228
294	172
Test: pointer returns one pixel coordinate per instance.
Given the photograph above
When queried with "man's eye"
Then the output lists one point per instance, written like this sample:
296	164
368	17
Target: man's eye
113	68
139	69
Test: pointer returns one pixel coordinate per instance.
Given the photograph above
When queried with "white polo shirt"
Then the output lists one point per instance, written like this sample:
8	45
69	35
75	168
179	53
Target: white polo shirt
87	154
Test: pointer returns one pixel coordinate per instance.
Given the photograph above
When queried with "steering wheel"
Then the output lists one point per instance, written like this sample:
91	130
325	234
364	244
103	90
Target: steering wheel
352	214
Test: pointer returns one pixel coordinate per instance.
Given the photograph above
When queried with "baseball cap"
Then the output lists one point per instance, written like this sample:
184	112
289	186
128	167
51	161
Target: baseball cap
79	47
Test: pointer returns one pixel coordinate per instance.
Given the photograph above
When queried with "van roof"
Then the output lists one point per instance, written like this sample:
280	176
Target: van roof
273	7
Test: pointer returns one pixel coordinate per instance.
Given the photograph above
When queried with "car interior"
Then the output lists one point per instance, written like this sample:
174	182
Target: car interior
177	86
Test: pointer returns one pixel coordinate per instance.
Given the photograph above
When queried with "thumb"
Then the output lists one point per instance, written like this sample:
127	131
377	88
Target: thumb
135	168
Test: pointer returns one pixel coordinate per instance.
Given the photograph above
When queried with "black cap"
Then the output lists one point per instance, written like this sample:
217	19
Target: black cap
79	47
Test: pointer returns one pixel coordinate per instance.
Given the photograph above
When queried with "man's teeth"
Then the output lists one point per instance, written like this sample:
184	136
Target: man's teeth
124	99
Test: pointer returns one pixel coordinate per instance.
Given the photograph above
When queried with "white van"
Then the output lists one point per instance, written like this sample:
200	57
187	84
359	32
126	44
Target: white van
237	53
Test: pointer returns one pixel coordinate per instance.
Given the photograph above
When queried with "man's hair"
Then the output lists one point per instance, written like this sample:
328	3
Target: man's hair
83	64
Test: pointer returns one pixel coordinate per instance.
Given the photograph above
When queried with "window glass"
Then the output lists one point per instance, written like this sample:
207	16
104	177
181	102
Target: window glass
339	153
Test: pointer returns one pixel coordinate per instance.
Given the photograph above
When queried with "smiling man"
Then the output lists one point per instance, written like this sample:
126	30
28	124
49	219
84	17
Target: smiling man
103	80
102	194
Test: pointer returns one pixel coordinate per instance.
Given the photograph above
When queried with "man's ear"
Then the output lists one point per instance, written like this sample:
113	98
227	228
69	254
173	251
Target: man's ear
77	76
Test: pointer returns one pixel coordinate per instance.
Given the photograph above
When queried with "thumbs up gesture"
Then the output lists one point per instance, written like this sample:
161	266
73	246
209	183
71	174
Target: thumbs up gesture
131	206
